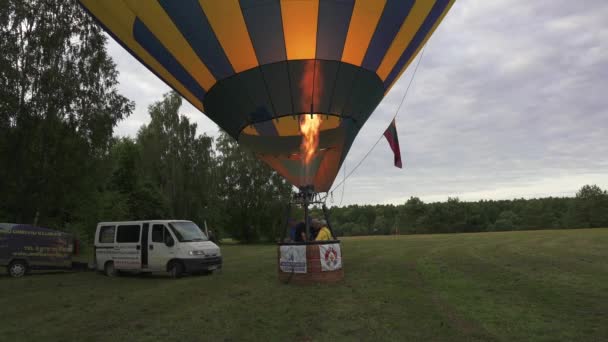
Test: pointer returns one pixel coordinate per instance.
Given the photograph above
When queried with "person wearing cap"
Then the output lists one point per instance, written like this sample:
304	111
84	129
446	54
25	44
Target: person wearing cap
323	233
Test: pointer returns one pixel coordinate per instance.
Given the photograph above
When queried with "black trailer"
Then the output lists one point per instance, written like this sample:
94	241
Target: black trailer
25	247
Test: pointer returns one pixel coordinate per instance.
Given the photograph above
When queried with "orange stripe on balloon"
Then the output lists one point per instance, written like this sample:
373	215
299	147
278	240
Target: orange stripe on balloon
158	22
226	19
363	22
447	9
118	18
410	26
300	28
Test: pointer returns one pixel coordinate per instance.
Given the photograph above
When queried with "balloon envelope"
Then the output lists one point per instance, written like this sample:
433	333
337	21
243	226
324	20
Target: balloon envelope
255	67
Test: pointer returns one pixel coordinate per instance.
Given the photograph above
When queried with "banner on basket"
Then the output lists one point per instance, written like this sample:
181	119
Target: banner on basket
331	257
293	259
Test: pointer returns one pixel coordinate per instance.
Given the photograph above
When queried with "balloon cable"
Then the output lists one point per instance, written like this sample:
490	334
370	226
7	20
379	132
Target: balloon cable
343	186
381	135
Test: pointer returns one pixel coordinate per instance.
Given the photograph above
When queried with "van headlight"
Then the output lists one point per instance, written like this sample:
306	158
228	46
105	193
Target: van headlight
195	252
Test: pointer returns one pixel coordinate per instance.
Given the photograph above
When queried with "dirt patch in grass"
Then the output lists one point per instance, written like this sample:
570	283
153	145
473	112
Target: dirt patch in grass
451	315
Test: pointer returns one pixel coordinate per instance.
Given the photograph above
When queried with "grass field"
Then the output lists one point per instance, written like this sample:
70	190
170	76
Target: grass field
512	286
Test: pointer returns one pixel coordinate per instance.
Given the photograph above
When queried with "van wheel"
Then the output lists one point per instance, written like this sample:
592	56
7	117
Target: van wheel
110	270
176	269
17	269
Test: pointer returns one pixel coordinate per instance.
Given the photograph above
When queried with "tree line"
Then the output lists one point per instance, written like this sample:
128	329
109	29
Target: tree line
588	209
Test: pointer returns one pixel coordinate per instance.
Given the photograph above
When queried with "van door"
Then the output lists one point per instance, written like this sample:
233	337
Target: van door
127	253
144	244
105	245
158	251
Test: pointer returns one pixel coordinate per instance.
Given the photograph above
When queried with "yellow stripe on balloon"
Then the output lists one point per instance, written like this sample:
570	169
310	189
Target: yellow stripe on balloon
119	19
287	126
445	11
363	22
226	19
329	122
250	130
300	28
158	22
408	30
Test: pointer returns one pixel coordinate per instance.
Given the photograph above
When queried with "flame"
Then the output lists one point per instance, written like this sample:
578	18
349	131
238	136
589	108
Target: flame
309	126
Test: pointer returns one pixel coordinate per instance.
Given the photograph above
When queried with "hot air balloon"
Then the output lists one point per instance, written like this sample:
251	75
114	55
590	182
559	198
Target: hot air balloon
292	80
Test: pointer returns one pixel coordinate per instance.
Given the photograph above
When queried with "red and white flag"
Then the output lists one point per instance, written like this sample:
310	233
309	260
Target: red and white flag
391	135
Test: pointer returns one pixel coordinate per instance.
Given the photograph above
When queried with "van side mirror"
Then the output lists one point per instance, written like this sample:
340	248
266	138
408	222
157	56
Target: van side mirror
169	241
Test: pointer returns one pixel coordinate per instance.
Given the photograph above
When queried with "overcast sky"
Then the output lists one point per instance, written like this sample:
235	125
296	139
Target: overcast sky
510	100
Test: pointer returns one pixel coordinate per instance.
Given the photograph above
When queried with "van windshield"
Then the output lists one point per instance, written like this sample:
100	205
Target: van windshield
187	232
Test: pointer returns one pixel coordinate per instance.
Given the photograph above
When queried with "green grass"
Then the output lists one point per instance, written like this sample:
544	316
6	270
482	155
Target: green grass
512	286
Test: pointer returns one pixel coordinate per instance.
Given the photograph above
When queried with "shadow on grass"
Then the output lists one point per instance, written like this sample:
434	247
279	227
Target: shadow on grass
159	275
128	275
4	274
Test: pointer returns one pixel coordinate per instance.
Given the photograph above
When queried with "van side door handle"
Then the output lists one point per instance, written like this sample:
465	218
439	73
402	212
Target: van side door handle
151	247
138	247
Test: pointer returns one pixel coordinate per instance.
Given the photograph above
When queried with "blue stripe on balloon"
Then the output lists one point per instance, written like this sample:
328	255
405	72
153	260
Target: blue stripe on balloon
394	14
192	22
265	27
334	18
424	30
154	47
266	127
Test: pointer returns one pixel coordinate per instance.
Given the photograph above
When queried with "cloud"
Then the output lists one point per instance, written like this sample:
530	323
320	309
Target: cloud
509	101
142	86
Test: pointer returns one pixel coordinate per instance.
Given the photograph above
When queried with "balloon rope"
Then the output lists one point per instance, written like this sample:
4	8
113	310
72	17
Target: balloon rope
381	135
344	186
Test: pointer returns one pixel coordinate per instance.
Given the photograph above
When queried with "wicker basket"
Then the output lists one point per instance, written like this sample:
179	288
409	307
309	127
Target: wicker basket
314	273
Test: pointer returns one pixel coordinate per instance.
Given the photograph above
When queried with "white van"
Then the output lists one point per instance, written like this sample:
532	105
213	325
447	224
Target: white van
172	246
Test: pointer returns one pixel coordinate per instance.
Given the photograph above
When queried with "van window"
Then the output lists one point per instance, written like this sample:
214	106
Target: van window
128	233
106	234
158	233
187	231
